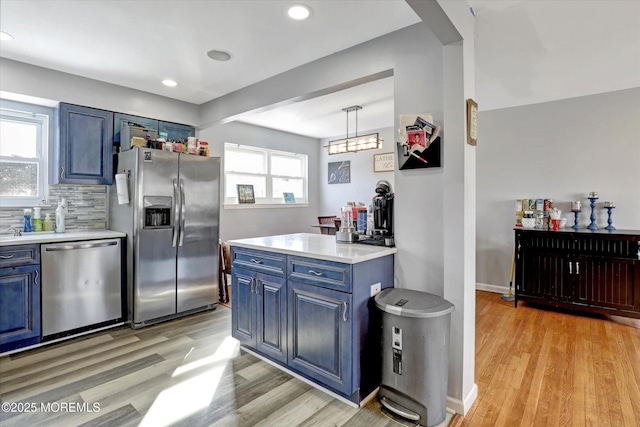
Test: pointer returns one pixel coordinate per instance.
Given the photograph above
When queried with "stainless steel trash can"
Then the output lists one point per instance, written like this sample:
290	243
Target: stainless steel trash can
415	354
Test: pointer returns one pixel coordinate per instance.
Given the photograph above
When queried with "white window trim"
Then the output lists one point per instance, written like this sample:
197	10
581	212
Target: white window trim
232	202
30	113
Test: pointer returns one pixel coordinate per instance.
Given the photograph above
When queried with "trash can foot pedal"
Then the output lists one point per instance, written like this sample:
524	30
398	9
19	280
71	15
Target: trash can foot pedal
399	410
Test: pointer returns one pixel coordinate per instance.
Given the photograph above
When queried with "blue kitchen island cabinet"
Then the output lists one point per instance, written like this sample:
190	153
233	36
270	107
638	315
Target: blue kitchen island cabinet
176	131
20	324
83	150
332	326
259	293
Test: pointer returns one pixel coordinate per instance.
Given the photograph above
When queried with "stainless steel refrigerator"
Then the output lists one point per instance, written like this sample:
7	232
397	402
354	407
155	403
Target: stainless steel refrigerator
172	226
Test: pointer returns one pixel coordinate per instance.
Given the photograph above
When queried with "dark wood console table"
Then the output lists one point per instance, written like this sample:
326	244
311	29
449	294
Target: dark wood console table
596	271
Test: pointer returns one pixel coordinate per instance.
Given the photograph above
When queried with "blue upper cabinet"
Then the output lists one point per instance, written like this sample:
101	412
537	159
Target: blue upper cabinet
176	131
84	146
120	120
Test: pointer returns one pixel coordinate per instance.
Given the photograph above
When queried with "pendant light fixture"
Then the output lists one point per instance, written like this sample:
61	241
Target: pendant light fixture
370	141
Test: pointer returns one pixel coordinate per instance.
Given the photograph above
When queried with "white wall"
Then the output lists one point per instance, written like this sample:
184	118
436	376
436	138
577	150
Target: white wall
30	80
363	178
560	150
255	221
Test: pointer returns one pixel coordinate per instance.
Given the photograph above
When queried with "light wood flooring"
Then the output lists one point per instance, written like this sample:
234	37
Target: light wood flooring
539	367
533	367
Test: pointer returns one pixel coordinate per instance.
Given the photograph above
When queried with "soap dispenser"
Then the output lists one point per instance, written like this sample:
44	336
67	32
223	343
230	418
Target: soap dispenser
27	221
37	220
47	225
60	214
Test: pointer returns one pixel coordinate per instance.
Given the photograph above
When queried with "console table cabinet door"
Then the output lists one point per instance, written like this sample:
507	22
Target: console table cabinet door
320	335
607	282
545	276
271	316
84	146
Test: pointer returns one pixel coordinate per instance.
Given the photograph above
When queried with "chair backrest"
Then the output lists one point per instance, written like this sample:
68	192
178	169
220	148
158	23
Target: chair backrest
326	219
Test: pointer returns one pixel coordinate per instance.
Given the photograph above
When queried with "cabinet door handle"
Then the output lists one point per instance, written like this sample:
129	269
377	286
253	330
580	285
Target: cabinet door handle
62	172
35	280
570	267
252	285
344	311
315	273
256	261
6	256
577	267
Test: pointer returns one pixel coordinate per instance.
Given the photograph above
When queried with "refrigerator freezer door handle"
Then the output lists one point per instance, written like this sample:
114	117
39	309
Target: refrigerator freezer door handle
182	214
176	220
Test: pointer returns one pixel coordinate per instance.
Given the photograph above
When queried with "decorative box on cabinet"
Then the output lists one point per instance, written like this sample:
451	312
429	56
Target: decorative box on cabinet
83	146
597	271
20	323
176	131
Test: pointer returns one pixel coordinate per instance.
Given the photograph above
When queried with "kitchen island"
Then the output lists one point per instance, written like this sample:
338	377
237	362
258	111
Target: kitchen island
303	302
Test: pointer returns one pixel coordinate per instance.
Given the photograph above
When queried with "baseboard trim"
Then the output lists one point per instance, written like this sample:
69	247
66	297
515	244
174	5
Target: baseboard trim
462	406
492	288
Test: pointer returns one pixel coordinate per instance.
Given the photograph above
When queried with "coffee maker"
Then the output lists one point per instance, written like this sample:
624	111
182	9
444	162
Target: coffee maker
382	204
383	212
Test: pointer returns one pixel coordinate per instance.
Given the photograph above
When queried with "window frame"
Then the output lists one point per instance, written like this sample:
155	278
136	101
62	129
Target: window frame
231	199
42	118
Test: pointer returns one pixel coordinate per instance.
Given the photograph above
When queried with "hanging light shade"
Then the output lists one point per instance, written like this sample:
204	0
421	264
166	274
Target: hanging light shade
370	141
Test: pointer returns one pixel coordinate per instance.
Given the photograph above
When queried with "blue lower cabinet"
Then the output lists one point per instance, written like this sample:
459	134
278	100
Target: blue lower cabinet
259	315
20	324
320	335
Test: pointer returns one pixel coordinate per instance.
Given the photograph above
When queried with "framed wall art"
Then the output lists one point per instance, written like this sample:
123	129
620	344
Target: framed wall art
339	172
245	193
383	162
472	122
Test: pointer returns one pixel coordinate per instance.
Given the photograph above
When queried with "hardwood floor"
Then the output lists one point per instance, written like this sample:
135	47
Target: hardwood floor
536	367
533	367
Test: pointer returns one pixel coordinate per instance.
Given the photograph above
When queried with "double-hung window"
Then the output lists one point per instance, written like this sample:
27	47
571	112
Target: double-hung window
271	173
24	132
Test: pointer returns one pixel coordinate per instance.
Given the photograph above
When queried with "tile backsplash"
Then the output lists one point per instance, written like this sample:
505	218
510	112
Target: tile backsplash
86	208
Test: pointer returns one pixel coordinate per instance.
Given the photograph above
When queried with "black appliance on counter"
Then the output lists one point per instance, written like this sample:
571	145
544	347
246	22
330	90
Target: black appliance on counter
382	234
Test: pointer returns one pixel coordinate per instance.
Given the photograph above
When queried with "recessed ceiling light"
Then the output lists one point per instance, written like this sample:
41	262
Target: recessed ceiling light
169	82
219	55
5	36
299	12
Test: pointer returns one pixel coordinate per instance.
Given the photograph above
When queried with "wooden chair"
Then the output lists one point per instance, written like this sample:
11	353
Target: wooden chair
326	219
224	255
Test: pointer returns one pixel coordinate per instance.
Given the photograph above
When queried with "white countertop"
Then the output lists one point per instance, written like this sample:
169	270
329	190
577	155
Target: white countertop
48	237
319	246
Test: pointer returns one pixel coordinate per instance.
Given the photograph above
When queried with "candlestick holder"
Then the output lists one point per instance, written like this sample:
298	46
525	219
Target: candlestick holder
609	220
575	226
593	225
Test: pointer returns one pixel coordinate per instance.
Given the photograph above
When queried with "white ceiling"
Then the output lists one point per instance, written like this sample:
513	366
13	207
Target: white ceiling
526	51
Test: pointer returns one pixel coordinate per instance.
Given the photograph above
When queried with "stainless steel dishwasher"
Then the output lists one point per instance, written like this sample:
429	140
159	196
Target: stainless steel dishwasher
81	285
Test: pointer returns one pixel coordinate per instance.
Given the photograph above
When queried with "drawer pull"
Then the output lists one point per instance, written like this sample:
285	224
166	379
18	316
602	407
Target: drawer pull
315	273
6	256
256	261
344	311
